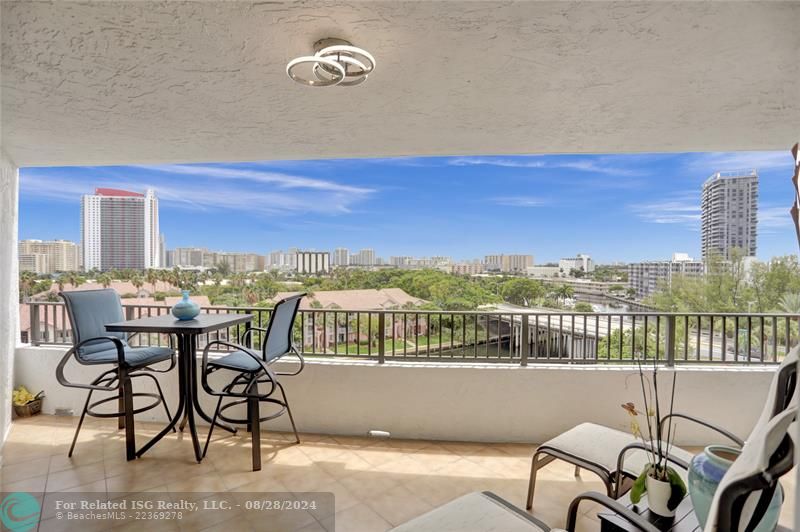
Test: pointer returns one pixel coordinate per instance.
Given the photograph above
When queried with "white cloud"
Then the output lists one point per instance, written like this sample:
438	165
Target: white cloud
259	176
774	217
683	209
519	201
709	163
238	190
589	164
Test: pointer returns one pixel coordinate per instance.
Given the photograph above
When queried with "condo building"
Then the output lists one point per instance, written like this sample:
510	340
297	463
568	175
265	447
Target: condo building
341	257
580	262
119	229
508	263
48	256
648	276
729	214
313	262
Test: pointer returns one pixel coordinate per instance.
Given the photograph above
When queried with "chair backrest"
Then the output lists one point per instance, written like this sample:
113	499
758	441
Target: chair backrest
278	339
783	391
89	311
743	496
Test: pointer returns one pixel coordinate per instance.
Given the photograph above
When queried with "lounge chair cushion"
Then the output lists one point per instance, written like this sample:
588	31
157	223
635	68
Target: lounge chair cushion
237	361
601	446
134	356
475	512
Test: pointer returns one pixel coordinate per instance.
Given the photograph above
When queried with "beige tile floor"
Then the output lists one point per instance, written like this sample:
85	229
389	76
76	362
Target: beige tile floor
377	484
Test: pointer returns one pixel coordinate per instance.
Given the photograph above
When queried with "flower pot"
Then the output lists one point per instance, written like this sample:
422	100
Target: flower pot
186	309
28	410
658	494
705	473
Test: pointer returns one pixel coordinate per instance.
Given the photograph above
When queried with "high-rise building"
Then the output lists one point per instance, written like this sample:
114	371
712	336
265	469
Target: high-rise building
341	257
730	214
313	262
189	257
646	277
162	251
119	229
48	256
278	260
581	262
508	263
365	257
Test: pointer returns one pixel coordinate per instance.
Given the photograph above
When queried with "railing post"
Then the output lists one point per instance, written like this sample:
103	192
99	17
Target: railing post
381	338
524	344
35	338
129	312
669	332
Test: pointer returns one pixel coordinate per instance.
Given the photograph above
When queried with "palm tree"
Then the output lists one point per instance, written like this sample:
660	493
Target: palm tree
137	281
105	280
790	303
151	276
27	280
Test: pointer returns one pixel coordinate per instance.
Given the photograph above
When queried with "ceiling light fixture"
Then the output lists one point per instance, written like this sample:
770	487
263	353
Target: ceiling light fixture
335	62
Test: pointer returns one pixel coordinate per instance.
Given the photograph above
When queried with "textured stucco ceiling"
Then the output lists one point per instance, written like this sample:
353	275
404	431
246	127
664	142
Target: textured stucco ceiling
133	82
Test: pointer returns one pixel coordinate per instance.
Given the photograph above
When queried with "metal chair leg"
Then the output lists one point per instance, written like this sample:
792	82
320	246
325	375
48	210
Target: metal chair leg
80	422
577	471
121	404
164	401
289	411
255	434
126	386
532	482
211	427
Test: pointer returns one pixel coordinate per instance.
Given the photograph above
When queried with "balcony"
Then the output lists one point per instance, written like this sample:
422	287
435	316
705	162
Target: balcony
116	83
377	484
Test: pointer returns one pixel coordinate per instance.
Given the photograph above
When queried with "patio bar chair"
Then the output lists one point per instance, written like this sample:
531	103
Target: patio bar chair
89	311
254	380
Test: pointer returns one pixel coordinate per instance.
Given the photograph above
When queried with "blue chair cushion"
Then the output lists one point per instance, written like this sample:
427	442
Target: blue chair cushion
134	356
237	361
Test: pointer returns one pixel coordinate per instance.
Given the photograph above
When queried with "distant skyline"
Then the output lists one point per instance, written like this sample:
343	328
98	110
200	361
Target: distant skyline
614	207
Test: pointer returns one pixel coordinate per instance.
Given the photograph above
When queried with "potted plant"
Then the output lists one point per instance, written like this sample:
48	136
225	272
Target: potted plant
664	487
25	403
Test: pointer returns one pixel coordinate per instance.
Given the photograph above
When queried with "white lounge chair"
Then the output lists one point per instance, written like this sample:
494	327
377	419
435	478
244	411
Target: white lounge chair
739	502
617	458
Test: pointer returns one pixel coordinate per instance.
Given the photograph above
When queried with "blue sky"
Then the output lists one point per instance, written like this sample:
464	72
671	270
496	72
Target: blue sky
614	207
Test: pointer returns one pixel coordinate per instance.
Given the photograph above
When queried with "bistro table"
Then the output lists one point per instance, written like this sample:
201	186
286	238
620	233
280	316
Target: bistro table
187	332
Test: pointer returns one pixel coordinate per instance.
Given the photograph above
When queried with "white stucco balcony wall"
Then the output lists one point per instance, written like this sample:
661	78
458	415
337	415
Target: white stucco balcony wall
474	402
9	308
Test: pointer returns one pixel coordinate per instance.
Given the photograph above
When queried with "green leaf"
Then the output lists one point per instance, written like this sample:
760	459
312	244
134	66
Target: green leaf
678	491
639	486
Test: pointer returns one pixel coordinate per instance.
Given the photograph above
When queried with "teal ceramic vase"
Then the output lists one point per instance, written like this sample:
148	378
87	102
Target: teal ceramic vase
186	309
705	473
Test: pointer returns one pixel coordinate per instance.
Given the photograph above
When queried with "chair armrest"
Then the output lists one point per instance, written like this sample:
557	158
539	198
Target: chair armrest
295	352
204	377
604	500
249	331
73	351
706	424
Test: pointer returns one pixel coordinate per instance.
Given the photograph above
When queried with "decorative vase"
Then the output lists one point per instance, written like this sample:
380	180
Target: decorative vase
186	309
705	473
658	494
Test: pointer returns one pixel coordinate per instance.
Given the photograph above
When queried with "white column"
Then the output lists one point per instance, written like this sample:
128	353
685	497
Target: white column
9	286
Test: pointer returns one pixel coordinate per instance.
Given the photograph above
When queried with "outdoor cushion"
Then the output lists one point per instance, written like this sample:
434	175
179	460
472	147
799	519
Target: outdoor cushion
237	361
601	446
475	512
134	356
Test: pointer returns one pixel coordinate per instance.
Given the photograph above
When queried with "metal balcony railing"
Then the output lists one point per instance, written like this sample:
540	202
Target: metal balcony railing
519	337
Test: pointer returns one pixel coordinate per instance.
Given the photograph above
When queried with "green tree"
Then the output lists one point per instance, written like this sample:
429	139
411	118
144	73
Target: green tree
522	291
